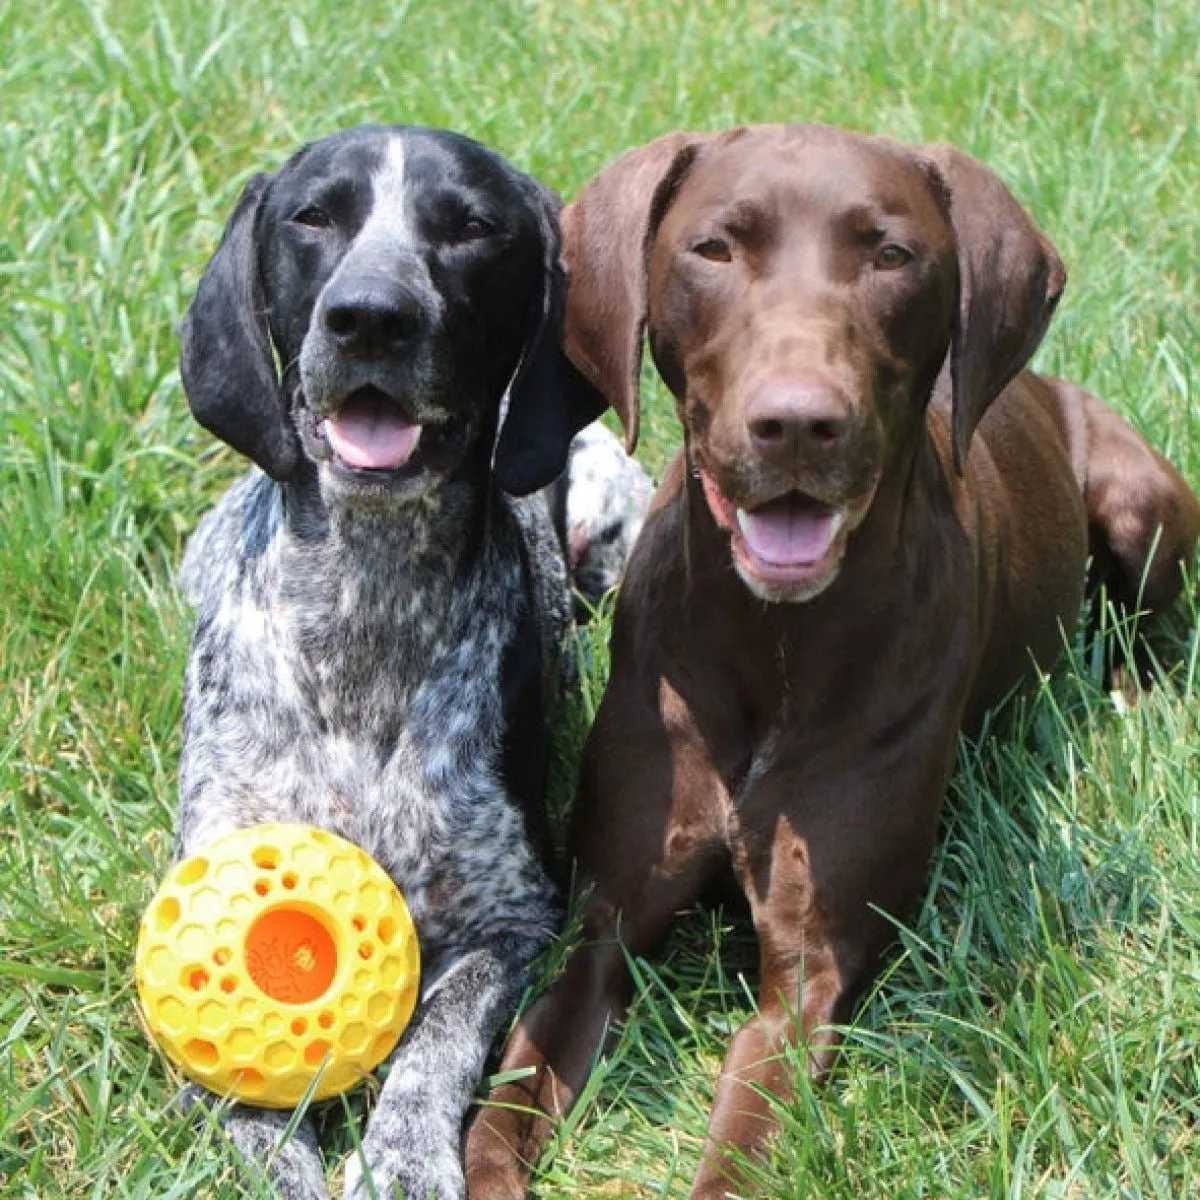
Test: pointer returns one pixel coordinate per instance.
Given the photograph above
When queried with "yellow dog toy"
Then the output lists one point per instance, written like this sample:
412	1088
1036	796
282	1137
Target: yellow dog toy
277	955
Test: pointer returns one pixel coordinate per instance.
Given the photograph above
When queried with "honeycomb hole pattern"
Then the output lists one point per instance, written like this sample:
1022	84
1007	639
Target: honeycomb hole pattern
192	871
281	956
166	913
265	857
250	1083
195	978
203	1052
315	1051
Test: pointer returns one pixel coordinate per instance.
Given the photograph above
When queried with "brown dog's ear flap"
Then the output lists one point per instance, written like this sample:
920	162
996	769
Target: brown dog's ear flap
1010	280
606	237
548	400
226	360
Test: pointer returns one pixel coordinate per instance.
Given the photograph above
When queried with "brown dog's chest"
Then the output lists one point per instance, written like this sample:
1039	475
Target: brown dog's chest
813	698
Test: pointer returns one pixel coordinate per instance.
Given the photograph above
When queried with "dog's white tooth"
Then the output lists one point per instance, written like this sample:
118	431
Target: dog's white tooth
742	518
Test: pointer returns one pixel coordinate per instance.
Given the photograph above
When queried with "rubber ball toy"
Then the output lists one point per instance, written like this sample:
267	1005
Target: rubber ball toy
279	954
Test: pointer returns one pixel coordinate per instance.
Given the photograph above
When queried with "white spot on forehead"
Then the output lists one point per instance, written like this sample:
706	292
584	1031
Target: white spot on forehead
388	219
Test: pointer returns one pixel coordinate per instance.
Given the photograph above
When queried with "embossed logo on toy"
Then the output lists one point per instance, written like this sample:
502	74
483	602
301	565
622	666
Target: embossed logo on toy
291	955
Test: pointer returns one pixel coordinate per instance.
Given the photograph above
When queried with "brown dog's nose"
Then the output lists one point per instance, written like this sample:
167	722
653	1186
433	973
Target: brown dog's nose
793	416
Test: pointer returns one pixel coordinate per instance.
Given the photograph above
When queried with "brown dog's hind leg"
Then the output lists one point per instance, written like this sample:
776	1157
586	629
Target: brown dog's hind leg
1143	519
1143	524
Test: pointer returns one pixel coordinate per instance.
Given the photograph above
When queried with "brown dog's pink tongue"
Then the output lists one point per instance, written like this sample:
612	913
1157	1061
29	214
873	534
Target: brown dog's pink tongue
371	433
793	531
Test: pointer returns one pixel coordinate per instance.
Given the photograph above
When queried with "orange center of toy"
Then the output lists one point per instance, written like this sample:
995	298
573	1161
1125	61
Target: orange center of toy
291	955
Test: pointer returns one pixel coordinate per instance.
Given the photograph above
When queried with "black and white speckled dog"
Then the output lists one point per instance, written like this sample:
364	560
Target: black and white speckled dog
378	610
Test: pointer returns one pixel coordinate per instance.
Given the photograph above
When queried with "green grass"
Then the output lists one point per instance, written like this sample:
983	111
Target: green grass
1037	1033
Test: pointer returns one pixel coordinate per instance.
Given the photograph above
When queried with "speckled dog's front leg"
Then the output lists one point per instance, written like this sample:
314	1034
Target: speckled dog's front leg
292	1164
413	1144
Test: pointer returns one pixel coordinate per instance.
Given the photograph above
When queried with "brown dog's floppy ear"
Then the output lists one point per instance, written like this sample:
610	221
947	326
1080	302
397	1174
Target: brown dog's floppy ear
226	360
548	400
606	236
1010	280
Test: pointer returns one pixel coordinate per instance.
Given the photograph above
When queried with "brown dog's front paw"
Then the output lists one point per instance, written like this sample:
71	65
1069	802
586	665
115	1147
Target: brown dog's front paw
494	1170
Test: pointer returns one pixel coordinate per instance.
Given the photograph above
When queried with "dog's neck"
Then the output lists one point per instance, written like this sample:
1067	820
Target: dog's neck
370	593
443	521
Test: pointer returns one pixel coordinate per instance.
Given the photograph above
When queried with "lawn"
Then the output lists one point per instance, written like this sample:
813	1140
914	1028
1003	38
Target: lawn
1038	1031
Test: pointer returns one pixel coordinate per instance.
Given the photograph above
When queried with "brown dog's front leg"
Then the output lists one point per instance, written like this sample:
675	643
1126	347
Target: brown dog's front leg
817	892
756	1063
559	1037
557	1040
646	836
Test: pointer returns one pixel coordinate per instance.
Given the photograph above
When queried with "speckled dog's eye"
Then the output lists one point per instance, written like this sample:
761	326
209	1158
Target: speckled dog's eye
311	217
890	256
477	227
471	229
713	249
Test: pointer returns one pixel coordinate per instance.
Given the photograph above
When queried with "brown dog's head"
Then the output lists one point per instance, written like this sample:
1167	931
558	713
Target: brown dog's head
801	287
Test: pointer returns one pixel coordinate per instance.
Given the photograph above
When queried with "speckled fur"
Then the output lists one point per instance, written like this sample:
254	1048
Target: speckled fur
600	503
342	677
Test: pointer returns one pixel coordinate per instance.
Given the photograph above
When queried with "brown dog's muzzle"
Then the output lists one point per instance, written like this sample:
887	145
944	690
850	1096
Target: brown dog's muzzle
790	473
803	432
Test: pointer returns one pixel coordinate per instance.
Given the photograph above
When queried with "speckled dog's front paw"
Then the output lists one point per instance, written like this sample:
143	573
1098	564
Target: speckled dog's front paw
404	1175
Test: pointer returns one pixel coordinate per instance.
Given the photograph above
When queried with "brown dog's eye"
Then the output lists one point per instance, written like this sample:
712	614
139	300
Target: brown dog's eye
714	250
891	256
312	217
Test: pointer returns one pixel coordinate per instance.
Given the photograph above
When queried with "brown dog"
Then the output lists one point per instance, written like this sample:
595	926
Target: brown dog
856	554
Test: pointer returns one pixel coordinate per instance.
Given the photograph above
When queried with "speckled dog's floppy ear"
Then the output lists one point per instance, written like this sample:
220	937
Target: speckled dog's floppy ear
226	360
1010	281
606	237
548	400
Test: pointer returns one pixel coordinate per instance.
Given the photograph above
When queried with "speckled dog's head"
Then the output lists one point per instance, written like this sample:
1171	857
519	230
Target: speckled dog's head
370	307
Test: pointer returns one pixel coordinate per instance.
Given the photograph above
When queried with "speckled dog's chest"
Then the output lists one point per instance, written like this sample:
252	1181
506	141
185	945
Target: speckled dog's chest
390	736
435	815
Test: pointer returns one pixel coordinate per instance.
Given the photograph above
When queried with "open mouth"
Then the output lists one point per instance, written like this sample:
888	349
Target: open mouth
791	546
793	532
371	432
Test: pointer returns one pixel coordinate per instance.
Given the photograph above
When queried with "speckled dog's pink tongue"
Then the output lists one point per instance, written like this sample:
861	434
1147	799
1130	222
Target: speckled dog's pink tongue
371	433
792	531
